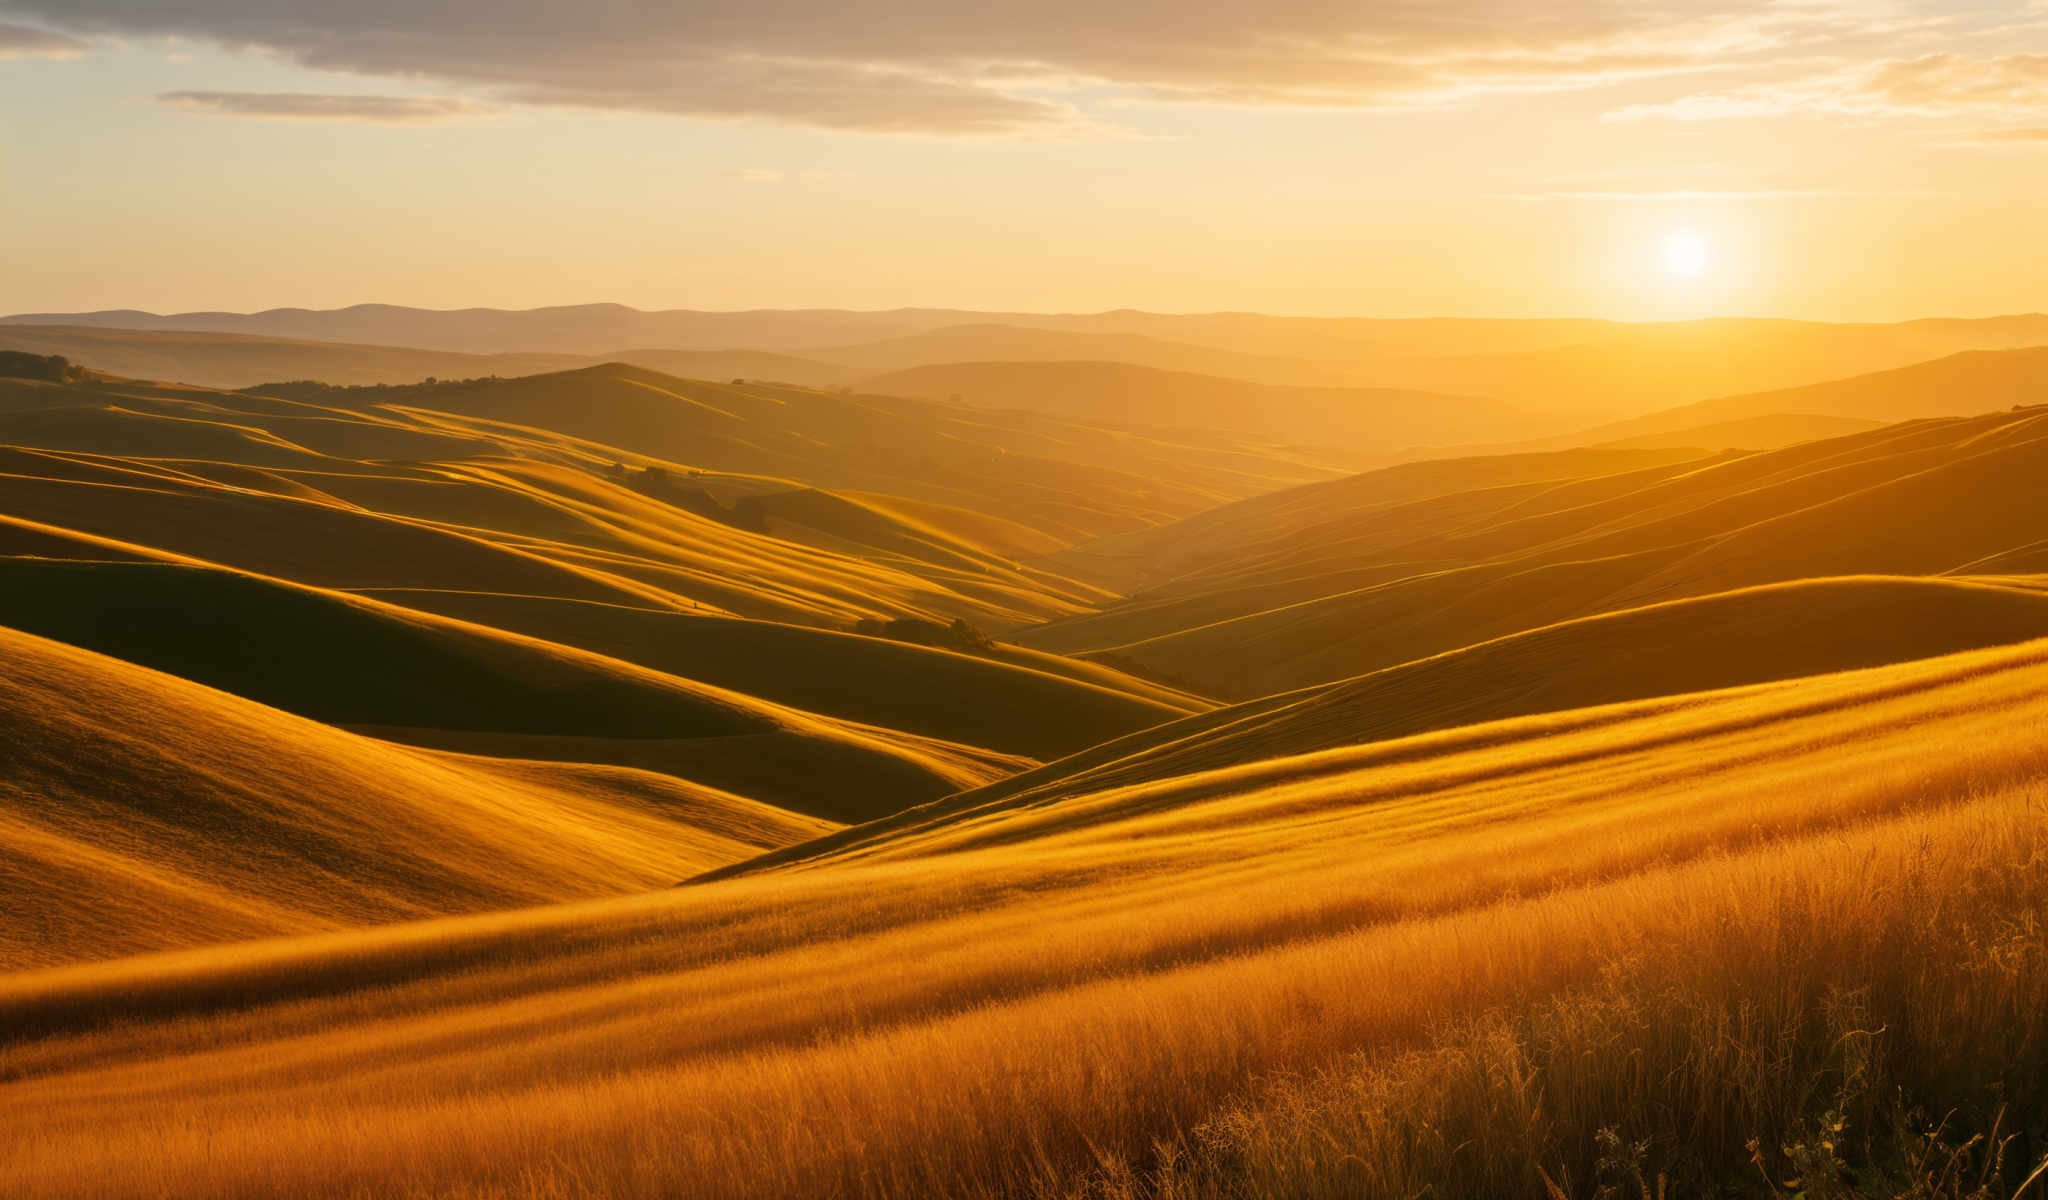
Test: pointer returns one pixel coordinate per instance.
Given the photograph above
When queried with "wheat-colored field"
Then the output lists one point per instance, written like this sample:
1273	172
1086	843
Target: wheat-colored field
609	784
1487	962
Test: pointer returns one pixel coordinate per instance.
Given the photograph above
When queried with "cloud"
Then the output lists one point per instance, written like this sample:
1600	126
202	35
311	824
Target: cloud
314	106
1760	194
2026	136
19	41
1933	85
987	69
754	175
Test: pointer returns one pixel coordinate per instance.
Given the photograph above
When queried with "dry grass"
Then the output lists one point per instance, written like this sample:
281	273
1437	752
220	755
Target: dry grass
1309	586
1448	962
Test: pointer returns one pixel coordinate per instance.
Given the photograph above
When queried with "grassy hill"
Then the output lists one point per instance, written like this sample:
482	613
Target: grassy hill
1069	479
1443	961
1758	635
1378	420
376	496
1584	366
234	360
996	343
981	701
1770	431
139	811
241	360
1631	370
1953	386
611	783
359	663
1362	590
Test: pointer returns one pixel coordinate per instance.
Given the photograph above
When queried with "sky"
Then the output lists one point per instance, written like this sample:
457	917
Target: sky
1636	159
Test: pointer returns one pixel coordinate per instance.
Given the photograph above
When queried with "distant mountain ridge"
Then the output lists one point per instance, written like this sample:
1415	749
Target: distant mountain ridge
1597	369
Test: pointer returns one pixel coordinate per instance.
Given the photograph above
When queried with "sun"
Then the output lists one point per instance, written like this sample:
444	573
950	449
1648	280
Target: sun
1686	253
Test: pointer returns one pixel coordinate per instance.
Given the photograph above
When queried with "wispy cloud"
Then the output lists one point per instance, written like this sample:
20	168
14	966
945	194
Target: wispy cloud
2013	86
2026	136
942	67
316	106
1759	194
19	41
754	175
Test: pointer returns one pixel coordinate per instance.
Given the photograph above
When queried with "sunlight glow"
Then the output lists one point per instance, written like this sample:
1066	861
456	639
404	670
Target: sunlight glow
1686	253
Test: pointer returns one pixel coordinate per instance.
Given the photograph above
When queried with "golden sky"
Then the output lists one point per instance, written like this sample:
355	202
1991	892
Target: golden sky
1624	158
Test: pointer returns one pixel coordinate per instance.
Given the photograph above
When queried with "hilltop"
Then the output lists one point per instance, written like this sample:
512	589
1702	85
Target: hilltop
1323	591
139	811
1589	369
1381	420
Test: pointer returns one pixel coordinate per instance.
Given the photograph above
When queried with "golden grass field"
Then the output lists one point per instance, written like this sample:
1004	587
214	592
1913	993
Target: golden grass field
611	784
1705	920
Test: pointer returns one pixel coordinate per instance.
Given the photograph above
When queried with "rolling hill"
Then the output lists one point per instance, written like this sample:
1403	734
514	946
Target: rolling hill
1372	420
371	494
606	782
1758	635
140	811
412	677
1392	952
1590	369
1957	385
295	553
1066	478
1004	699
1632	370
1331	590
994	343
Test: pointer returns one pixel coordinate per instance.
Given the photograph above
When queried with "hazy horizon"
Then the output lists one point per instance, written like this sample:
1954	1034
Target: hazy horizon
971	312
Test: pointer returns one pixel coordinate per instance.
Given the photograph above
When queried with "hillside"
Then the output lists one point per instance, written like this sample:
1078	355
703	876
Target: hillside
412	677
231	360
1065	478
610	783
1300	975
1759	635
377	495
1375	420
1587	367
1481	485
982	344
1350	591
980	701
140	811
1632	370
1954	386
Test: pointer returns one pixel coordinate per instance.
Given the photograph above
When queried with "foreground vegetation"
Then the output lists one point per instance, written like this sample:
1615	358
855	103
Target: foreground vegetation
1565	955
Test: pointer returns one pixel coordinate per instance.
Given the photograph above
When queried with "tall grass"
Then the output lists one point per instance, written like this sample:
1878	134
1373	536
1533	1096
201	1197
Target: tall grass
1618	960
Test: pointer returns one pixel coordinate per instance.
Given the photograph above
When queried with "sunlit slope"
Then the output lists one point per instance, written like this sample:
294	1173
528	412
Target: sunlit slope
1066	478
231	360
1959	496
1003	1003
1577	362
1769	431
1953	386
1375	420
981	344
1758	635
375	497
235	360
371	666
1630	370
140	811
976	700
1321	514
